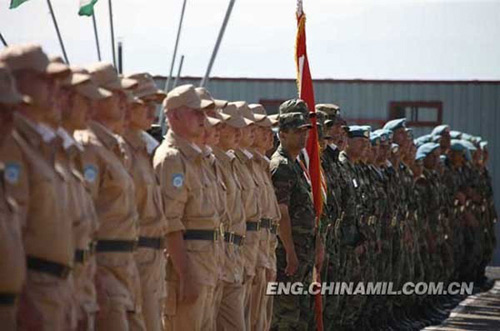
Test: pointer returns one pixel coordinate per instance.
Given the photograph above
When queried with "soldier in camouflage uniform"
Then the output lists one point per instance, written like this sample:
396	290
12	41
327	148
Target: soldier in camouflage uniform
296	230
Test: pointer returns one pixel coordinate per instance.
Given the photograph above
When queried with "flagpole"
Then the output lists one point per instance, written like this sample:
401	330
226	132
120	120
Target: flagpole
57	31
96	38
3	40
176	81
112	32
167	85
218	42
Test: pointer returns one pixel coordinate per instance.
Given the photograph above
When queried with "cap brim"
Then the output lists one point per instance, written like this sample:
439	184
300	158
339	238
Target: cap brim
224	117
57	69
212	121
238	122
75	79
220	103
93	92
266	122
127	83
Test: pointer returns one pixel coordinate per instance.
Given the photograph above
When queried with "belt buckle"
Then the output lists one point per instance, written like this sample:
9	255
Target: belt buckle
86	255
231	237
216	234
258	225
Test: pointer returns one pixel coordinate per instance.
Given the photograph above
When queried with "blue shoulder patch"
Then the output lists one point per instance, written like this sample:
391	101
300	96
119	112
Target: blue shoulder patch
90	173
12	172
177	180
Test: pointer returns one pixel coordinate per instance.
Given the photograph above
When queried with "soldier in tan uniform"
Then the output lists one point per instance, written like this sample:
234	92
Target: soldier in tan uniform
193	224
244	169
12	264
113	193
40	189
77	95
152	223
230	291
266	259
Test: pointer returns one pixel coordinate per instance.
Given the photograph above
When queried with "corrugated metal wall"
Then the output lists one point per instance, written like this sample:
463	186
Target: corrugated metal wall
471	107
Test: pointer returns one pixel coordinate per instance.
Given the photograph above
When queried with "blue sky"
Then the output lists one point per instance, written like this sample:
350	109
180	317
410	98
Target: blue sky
370	39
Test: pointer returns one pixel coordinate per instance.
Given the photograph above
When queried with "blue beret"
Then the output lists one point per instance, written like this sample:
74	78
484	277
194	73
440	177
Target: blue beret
438	130
466	136
457	145
356	131
422	140
426	149
395	124
384	134
455	134
470	146
483	144
374	137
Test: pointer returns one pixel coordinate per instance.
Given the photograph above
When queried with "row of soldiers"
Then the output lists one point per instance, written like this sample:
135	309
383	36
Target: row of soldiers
399	210
104	228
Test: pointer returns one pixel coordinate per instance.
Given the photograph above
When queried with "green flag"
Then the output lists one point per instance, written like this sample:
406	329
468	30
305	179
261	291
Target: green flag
87	7
16	3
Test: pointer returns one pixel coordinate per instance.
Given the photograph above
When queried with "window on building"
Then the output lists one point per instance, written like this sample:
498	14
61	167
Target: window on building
417	113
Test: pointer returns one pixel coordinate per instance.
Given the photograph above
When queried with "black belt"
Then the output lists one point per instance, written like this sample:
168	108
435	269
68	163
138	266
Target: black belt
210	235
116	246
151	242
253	226
8	299
266	223
232	238
48	267
83	255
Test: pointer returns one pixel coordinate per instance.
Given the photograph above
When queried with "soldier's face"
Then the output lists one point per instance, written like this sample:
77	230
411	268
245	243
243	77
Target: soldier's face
138	117
261	138
457	158
445	141
431	161
77	112
247	136
401	138
212	135
229	137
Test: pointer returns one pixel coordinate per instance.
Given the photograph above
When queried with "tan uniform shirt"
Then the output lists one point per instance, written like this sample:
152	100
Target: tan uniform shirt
188	205
12	263
152	222
112	190
270	210
234	263
111	186
250	190
40	191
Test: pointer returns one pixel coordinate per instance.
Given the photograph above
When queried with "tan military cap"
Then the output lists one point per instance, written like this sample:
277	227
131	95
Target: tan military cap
105	75
258	109
146	87
8	92
205	95
88	88
185	96
74	78
132	99
246	112
236	120
212	121
31	57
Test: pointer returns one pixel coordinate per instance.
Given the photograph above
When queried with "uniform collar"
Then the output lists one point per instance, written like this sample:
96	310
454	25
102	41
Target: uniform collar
67	140
35	133
151	142
135	139
243	155
223	156
187	148
107	137
283	152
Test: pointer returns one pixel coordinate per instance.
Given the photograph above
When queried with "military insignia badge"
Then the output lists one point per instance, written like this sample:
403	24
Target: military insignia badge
90	173
12	173
178	180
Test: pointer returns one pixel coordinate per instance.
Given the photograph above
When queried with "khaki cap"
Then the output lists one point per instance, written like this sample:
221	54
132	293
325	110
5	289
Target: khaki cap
212	121
246	112
146	87
258	109
236	120
92	91
105	75
74	78
205	95
31	57
185	96
132	99
8	92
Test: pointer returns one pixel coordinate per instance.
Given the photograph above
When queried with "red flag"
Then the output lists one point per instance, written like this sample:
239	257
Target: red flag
306	93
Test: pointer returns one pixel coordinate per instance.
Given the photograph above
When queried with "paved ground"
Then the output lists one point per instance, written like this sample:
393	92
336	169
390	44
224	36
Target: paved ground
478	312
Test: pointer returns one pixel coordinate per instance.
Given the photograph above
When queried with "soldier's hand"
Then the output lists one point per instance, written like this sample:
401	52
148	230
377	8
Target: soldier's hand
188	289
292	263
